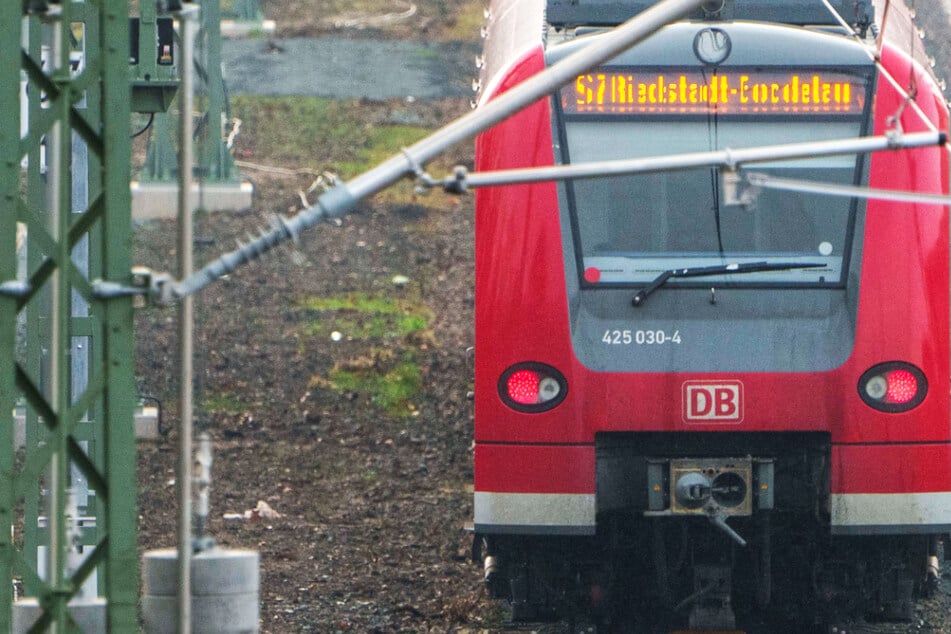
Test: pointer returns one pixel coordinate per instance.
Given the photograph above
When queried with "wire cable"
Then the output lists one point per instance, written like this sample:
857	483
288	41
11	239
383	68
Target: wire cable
875	56
146	127
765	181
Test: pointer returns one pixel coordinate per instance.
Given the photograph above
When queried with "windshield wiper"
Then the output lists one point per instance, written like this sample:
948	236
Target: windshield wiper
720	269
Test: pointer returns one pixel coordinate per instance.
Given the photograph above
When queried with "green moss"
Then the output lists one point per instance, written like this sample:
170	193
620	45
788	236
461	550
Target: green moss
391	391
380	144
364	317
360	302
223	403
385	334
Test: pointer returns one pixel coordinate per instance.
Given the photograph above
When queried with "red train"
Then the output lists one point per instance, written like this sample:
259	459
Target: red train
696	410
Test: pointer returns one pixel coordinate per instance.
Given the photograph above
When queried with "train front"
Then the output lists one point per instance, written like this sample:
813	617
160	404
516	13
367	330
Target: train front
696	393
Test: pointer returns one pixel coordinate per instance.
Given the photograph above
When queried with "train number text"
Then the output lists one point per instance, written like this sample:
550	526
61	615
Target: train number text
640	337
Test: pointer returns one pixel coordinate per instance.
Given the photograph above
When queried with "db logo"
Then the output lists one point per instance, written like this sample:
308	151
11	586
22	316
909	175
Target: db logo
713	402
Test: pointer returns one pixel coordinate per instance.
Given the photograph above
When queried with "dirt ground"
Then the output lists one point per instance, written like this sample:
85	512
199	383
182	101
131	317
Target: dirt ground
372	498
370	490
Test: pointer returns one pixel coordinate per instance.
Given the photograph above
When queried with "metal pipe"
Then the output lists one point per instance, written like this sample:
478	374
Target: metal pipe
765	181
203	460
188	19
343	198
718	158
58	155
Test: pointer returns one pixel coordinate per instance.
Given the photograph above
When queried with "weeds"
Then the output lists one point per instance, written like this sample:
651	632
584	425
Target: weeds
388	332
390	391
363	317
223	403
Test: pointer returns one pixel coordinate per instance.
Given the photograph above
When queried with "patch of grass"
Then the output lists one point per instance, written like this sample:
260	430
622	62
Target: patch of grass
345	137
390	391
223	403
299	132
387	372
383	143
370	476
380	144
364	317
360	302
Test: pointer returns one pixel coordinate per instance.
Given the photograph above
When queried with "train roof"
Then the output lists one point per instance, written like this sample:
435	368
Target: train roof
572	13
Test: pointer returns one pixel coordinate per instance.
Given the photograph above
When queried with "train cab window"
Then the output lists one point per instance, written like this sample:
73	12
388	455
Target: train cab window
630	228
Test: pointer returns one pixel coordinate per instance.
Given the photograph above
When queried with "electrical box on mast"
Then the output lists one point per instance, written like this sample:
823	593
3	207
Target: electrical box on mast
152	61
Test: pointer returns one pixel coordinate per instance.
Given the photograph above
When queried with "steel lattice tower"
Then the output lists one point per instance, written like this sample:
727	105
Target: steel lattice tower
71	292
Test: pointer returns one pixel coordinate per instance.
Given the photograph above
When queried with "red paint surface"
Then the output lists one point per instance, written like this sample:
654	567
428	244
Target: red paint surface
522	315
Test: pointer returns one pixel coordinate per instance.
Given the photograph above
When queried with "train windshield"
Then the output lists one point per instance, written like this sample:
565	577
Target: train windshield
628	229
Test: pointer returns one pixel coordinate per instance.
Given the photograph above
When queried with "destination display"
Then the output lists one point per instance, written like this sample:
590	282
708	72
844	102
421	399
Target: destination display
722	92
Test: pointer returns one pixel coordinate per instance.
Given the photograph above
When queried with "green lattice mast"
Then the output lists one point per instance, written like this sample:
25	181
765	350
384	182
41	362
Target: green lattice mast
74	57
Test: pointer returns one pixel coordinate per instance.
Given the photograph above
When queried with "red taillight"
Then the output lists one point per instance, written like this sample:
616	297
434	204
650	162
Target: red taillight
902	386
893	387
532	387
522	387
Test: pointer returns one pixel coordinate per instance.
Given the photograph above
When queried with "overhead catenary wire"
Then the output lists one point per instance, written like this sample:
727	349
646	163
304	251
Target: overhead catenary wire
908	96
341	199
726	158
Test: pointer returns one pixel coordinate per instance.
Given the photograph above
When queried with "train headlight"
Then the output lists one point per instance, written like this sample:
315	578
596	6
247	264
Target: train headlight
895	386
532	387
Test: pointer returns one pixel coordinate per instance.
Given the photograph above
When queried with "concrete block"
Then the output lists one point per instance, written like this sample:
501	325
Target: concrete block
146	425
242	28
160	200
89	614
225	587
